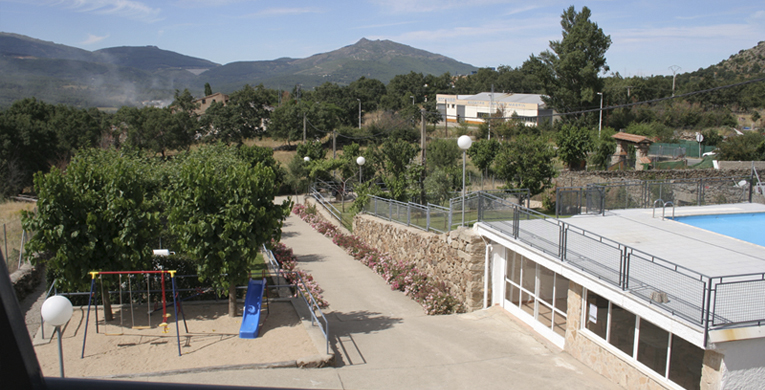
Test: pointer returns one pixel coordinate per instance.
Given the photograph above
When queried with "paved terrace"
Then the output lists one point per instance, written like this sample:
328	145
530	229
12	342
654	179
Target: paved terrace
383	340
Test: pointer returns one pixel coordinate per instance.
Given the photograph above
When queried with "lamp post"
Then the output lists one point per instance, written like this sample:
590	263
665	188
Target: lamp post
464	143
57	310
359	112
360	160
412	99
600	122
307	174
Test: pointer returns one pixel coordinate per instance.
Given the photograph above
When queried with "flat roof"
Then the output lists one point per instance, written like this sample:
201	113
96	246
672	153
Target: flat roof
505	97
700	250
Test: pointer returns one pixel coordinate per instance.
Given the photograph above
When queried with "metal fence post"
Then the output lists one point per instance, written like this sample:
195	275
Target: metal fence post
427	218
408	215
449	228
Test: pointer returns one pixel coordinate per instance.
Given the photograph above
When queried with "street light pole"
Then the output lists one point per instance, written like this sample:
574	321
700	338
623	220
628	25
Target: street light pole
359	112
360	160
600	121
464	143
412	99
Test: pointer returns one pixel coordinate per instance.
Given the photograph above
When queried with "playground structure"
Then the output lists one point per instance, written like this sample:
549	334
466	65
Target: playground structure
251	311
165	315
250	316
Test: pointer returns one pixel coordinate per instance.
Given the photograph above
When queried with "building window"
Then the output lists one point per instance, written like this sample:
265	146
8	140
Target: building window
538	291
656	347
652	346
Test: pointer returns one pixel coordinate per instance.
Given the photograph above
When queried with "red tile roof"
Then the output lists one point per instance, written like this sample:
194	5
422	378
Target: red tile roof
637	139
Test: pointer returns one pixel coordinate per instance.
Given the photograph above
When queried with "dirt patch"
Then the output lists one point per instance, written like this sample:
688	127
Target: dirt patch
213	340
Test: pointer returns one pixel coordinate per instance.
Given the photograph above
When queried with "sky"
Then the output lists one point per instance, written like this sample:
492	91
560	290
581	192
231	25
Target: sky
648	36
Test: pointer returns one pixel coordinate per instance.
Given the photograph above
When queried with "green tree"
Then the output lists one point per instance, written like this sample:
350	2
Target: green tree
208	89
101	215
222	210
711	137
26	143
603	148
224	123
444	154
569	71
253	106
311	149
482	153
747	147
574	143
393	162
527	162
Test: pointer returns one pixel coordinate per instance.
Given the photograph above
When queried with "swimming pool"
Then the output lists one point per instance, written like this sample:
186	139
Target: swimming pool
749	227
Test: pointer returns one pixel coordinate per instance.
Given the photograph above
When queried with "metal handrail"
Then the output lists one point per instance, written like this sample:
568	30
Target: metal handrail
313	306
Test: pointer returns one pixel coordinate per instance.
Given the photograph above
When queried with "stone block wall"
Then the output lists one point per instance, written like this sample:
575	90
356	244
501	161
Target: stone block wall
615	368
455	258
596	357
582	178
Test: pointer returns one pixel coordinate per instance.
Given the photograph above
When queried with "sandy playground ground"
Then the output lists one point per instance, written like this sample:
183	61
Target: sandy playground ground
212	341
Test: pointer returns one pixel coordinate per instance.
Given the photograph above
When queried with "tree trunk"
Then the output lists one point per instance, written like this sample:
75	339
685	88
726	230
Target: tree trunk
108	316
232	300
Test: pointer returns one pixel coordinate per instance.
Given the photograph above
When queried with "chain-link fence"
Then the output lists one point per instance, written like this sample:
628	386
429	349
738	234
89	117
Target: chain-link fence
478	206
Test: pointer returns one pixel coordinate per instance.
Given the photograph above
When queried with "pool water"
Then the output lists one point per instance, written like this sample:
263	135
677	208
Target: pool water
748	227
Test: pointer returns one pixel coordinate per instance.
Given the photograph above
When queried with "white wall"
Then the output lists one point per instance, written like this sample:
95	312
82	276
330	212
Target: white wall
743	364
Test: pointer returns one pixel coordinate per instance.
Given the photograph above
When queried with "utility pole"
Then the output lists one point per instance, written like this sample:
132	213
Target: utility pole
359	112
422	144
600	122
304	122
674	69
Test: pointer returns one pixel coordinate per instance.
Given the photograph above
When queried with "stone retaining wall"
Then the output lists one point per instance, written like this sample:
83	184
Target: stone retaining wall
455	258
582	178
25	279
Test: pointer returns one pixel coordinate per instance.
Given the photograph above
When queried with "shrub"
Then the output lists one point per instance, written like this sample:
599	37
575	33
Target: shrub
401	275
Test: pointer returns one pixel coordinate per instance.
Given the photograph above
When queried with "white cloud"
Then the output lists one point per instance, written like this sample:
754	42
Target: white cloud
409	6
283	11
660	35
130	9
93	39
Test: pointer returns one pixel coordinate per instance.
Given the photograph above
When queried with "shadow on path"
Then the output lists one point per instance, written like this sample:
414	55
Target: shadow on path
345	325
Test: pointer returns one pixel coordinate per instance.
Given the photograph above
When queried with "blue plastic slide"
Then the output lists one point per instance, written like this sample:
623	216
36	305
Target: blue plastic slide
251	312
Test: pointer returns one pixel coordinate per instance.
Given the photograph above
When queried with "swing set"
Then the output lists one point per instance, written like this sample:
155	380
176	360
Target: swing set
94	292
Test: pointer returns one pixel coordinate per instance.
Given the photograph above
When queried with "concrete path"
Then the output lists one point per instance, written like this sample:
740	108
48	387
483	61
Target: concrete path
384	340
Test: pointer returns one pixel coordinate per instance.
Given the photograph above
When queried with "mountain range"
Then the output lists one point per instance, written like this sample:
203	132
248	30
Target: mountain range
118	76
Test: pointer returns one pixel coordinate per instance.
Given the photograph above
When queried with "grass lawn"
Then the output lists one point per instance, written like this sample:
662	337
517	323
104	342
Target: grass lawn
10	231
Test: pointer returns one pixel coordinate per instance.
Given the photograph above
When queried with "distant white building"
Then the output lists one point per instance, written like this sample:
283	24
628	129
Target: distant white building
475	108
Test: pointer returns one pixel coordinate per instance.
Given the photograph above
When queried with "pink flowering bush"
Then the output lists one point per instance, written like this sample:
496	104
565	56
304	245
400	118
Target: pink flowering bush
401	275
288	262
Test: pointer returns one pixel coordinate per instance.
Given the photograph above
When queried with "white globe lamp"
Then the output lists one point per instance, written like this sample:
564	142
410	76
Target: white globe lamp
57	311
361	161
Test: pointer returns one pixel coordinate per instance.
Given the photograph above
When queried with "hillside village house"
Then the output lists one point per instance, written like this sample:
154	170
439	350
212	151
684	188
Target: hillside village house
648	302
207	101
529	108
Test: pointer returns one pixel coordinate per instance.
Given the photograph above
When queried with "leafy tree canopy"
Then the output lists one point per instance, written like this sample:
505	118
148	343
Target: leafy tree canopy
569	71
527	162
574	143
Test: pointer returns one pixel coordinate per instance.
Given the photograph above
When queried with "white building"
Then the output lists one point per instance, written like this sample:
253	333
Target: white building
475	108
648	302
